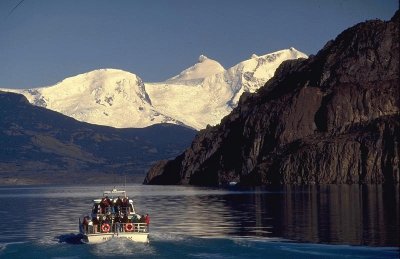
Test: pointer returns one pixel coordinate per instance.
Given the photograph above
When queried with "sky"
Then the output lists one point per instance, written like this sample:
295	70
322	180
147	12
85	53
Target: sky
43	42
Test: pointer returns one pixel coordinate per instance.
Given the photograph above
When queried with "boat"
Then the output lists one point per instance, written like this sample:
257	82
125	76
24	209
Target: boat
114	216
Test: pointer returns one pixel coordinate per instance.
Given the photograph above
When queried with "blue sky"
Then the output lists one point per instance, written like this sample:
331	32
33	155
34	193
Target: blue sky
43	42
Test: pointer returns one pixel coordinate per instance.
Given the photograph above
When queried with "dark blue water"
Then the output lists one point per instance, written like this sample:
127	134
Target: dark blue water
189	222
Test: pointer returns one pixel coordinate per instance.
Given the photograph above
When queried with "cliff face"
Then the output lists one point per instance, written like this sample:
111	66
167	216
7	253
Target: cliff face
333	118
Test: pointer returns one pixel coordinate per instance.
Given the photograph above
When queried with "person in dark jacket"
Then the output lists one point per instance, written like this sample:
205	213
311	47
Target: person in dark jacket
117	205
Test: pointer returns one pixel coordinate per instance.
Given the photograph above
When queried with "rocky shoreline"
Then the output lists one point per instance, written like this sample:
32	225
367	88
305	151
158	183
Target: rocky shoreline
332	118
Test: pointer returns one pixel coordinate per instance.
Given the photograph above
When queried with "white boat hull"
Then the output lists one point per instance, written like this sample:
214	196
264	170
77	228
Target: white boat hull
103	237
105	221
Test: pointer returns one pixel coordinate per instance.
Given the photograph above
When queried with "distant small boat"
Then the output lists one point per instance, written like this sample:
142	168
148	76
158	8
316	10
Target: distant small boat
114	216
232	183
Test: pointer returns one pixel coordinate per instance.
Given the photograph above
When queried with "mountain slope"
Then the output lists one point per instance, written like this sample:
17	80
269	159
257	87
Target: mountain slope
199	95
104	97
333	118
198	101
205	67
43	146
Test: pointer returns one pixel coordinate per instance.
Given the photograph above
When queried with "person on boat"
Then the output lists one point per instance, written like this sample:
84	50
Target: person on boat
117	222
105	205
118	202
96	209
147	219
108	201
125	219
85	223
136	218
117	205
125	206
96	223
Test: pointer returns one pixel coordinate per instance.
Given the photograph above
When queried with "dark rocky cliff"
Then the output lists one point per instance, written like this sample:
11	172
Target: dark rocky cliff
333	118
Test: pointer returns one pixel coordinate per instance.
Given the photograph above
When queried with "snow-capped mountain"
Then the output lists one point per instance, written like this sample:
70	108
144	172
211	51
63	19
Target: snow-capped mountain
105	97
253	73
205	67
200	95
200	100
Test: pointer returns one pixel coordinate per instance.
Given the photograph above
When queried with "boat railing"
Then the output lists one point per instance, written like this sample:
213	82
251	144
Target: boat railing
115	228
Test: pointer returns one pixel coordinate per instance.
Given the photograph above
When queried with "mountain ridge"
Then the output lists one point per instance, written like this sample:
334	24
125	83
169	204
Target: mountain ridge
121	99
40	146
332	118
205	101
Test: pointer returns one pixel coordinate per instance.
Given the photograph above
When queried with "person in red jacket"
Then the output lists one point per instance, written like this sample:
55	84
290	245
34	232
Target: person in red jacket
147	221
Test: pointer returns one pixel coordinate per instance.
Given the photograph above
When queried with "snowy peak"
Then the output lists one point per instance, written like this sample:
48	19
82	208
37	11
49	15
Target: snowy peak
251	74
202	58
254	56
201	102
109	97
200	95
103	85
270	60
204	68
106	87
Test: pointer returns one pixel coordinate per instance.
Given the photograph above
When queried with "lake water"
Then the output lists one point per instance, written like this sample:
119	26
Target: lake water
192	222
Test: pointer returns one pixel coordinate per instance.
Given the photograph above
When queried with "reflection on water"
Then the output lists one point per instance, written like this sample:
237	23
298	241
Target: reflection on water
342	214
367	215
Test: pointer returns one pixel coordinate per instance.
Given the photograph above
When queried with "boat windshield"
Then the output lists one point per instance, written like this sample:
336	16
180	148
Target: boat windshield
114	192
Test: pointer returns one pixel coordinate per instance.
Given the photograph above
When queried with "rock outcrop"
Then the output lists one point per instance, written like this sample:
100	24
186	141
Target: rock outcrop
333	118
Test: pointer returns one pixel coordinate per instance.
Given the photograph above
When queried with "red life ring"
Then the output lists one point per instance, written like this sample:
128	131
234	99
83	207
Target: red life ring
129	227
105	228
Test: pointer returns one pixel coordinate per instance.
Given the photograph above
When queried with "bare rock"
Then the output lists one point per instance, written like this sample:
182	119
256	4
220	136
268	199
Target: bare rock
332	118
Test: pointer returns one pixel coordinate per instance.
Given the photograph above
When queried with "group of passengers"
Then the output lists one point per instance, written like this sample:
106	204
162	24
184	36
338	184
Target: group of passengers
117	206
115	213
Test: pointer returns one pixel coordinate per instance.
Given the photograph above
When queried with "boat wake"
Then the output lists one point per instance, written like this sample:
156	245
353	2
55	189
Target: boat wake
167	237
74	239
122	247
3	246
171	245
